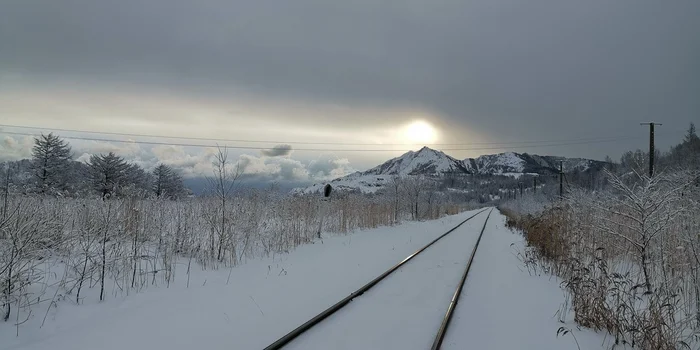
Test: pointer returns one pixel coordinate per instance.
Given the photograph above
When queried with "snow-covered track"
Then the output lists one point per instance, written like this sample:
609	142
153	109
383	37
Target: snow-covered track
455	298
281	342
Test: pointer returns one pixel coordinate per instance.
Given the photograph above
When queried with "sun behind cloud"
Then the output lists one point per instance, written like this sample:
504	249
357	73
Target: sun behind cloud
419	132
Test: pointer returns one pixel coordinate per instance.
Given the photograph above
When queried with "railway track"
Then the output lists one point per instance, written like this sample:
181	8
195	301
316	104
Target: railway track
443	326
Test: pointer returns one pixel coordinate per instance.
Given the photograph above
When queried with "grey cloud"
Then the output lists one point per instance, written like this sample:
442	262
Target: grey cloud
272	168
277	151
15	148
194	162
328	167
292	170
513	70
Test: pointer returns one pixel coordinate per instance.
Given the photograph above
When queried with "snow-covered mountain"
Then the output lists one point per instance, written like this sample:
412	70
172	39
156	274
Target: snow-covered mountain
426	161
430	162
523	163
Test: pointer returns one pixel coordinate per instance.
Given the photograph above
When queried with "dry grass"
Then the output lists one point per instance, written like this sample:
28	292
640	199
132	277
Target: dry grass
629	259
136	243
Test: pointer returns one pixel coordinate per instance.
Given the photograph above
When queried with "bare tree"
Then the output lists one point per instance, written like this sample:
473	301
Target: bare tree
430	195
88	235
640	213
396	185
25	228
107	217
222	185
413	187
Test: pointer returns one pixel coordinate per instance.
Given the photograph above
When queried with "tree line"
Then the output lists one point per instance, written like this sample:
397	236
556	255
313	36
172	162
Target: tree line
685	154
52	170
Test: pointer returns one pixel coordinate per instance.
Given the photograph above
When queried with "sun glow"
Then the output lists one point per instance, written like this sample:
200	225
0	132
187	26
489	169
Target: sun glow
420	132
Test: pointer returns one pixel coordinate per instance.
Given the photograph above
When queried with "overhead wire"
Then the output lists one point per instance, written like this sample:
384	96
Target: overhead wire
505	143
320	149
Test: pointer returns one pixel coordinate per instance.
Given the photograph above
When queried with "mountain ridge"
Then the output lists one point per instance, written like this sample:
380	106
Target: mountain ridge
435	163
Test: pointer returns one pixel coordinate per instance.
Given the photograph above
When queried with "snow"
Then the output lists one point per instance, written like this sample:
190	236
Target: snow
435	163
404	310
264	299
354	182
518	175
511	160
502	306
426	162
502	163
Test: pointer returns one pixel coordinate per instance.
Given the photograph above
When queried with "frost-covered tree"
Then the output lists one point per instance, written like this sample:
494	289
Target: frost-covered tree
138	181
637	161
640	214
221	186
413	187
691	136
167	182
395	188
51	158
687	153
108	172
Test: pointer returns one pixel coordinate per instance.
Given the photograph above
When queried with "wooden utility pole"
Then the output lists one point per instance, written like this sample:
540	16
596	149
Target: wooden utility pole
561	179
7	193
324	207
651	146
534	188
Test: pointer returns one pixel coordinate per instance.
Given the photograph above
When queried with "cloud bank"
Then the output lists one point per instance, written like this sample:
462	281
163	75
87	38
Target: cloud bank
275	165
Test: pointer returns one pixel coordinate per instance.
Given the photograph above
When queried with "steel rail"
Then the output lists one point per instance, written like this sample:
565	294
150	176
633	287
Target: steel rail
437	343
279	343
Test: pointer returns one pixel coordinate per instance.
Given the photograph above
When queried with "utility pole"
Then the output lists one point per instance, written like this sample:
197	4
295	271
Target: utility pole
534	188
7	193
651	146
324	207
561	179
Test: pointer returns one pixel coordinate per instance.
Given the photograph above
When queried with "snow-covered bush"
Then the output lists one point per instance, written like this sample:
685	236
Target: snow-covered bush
528	205
628	256
72	249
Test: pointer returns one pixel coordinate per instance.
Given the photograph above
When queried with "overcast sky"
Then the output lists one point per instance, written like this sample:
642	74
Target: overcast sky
361	71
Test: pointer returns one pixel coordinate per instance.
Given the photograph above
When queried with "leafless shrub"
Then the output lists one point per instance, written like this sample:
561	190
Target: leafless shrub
628	257
117	246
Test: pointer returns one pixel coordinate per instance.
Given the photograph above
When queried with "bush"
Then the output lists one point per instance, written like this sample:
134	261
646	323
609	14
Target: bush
629	257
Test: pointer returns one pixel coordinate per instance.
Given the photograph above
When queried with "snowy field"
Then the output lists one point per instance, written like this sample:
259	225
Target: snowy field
503	306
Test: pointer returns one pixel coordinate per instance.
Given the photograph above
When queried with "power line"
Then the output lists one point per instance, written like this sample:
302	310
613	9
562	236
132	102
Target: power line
308	149
591	139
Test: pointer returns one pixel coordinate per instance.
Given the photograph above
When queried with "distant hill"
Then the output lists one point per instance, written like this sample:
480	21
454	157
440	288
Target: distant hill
523	163
433	163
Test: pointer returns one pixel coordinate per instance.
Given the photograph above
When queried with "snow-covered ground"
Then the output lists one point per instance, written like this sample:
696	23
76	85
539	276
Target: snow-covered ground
353	182
404	310
502	305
